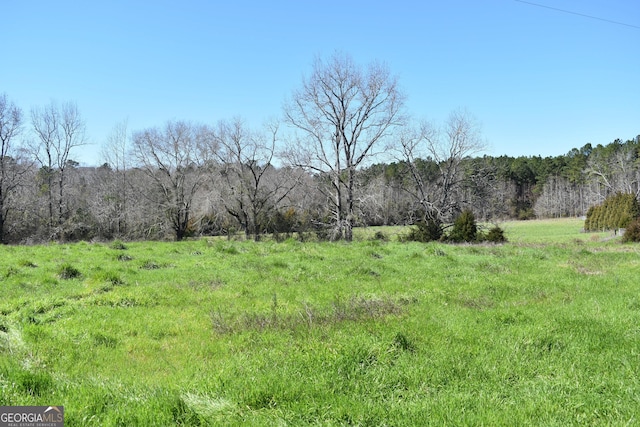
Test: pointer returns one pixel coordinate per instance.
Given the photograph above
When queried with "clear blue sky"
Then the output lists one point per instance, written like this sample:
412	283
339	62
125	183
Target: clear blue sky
540	81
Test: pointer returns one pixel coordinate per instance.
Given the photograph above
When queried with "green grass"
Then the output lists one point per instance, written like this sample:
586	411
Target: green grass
540	331
551	231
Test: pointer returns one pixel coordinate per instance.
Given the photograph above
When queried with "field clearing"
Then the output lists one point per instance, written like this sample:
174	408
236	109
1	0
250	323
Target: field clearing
550	231
545	231
543	330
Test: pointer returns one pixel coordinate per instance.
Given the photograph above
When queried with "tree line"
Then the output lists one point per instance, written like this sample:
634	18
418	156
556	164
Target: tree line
345	154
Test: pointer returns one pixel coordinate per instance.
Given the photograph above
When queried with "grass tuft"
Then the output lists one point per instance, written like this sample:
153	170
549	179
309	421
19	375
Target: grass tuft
33	383
11	271
402	342
102	339
68	271
109	277
27	263
150	265
118	245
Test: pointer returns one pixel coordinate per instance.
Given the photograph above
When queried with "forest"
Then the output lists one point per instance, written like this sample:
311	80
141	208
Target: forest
127	202
344	155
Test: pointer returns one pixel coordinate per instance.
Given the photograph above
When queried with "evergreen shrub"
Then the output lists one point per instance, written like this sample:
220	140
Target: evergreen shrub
464	228
632	233
428	230
617	211
496	235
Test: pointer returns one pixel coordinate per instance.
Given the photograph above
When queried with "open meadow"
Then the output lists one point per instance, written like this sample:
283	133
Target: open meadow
543	330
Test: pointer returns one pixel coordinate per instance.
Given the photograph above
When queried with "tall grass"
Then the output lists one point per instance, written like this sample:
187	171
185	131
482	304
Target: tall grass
539	331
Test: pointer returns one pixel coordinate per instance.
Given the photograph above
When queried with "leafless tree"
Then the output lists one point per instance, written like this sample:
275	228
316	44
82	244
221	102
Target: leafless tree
58	130
458	139
115	152
12	166
253	186
341	114
381	203
174	158
615	168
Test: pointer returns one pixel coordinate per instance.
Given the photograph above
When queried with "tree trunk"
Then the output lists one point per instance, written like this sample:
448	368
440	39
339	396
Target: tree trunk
339	209
60	194
348	229
50	188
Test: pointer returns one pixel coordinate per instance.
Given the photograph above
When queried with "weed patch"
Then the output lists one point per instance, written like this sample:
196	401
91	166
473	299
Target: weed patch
118	245
474	302
129	301
206	285
101	339
365	271
403	343
228	249
11	271
149	265
109	277
33	383
355	309
27	263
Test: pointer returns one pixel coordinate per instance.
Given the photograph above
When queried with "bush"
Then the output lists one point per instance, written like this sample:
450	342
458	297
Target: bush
425	231
632	233
285	222
617	211
465	228
496	235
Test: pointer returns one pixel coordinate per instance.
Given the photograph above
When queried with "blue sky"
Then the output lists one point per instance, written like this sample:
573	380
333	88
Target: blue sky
540	81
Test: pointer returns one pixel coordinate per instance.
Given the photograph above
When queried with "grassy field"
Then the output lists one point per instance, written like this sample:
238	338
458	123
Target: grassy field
543	330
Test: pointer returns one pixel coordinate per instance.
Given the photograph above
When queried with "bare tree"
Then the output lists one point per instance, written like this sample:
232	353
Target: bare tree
174	158
460	138
115	152
615	168
379	203
58	129
342	113
12	166
253	187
